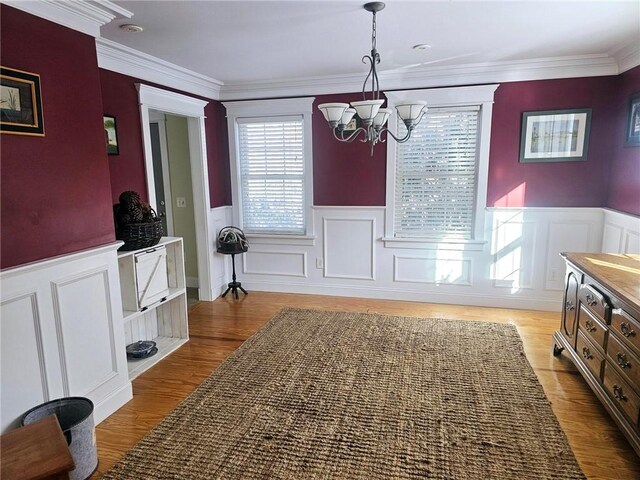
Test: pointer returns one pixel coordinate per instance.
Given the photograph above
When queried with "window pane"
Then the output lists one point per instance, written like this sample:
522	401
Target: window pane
436	175
272	176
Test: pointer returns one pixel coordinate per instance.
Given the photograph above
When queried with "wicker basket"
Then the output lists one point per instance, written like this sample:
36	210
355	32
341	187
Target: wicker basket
139	235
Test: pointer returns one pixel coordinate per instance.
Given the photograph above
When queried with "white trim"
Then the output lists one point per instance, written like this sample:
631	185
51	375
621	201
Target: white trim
84	17
159	118
628	56
170	102
121	59
128	61
407	293
419	244
52	261
152	98
272	108
431	76
481	95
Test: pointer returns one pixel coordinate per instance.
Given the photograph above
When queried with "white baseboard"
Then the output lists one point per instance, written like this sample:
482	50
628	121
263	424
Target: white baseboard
111	403
471	299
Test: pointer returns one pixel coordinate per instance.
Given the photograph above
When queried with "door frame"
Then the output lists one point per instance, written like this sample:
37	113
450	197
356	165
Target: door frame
156	116
152	98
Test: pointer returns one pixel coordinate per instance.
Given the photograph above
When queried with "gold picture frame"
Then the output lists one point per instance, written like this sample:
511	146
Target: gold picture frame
20	103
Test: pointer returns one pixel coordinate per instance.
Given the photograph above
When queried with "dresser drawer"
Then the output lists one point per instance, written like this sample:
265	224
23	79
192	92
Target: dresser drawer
625	360
589	355
626	327
622	394
589	325
595	302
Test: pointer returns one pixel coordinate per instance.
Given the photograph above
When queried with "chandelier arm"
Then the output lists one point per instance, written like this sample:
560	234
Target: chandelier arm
371	69
398	139
350	138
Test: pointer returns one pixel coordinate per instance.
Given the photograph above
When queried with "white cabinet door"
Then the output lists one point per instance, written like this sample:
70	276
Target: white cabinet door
151	276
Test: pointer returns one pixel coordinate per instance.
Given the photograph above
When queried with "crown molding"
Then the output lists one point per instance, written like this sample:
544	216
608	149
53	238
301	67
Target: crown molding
628	57
82	16
429	77
121	59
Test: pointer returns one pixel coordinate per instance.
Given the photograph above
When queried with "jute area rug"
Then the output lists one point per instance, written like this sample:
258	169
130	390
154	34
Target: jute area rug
318	395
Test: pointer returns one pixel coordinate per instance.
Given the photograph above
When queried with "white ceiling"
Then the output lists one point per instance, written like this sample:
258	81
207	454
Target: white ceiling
246	41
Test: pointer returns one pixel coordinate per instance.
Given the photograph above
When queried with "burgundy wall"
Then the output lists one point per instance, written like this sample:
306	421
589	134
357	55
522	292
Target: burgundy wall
624	181
345	173
562	184
55	190
120	99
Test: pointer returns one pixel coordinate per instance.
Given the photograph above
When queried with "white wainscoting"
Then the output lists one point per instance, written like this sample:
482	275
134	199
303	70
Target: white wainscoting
519	266
621	233
62	334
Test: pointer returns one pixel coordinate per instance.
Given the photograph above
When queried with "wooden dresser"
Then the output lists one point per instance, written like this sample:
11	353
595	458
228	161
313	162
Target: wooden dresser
600	331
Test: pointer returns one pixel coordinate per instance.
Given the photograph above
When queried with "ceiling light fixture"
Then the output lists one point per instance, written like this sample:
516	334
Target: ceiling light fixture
372	116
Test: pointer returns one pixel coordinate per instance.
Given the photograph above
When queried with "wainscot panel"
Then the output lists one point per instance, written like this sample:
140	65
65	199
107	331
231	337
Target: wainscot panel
517	266
621	233
62	334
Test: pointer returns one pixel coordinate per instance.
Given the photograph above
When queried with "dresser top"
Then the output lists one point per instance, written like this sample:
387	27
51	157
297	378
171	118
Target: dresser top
620	273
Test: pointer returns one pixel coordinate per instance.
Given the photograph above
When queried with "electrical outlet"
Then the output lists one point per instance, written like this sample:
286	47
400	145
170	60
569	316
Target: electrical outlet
553	275
319	262
181	202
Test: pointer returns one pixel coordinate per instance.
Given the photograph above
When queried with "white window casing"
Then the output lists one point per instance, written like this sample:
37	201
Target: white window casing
454	169
270	146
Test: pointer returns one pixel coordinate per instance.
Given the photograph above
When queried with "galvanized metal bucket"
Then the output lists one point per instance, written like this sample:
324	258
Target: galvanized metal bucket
75	415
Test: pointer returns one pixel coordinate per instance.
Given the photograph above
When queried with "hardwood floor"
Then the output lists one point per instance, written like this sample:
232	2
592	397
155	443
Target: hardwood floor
218	328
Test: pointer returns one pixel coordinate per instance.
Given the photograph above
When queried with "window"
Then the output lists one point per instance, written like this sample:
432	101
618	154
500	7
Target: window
271	143
435	180
436	185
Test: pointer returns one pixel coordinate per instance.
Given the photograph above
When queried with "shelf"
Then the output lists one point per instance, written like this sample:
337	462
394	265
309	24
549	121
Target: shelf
166	345
128	315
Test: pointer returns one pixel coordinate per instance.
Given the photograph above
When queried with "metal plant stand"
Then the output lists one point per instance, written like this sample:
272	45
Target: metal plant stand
233	285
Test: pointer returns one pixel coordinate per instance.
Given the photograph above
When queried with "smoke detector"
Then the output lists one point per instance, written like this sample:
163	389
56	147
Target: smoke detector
131	28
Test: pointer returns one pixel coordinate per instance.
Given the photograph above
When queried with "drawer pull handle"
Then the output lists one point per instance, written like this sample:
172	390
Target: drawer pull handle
618	393
569	307
622	360
626	329
591	300
590	326
586	353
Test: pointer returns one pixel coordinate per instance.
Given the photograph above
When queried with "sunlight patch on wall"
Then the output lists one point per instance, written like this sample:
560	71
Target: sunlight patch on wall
515	198
506	249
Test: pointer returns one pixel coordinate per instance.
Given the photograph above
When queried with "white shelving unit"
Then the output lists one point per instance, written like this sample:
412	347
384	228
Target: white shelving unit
154	299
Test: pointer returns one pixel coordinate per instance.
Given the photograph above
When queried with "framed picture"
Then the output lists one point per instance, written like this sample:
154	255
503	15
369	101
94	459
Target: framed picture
110	134
555	135
633	122
20	103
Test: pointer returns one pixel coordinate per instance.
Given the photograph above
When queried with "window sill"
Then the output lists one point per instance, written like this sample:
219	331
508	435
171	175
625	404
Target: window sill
434	244
273	239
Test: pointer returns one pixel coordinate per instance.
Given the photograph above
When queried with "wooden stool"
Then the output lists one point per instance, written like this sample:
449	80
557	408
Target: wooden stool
37	451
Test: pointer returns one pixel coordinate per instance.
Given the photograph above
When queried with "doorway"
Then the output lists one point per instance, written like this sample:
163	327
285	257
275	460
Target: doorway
173	187
175	124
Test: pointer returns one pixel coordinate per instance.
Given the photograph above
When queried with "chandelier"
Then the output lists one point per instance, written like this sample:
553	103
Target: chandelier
372	115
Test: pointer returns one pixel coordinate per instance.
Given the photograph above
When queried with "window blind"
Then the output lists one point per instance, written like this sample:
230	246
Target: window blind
271	153
435	181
